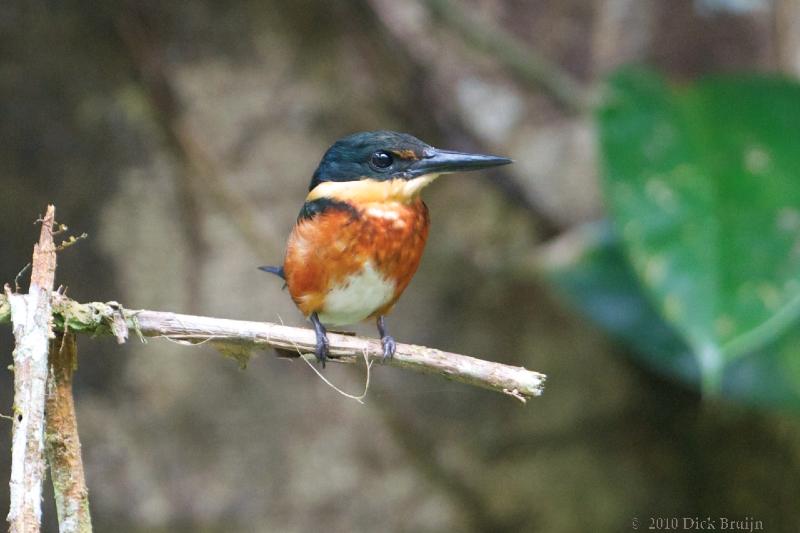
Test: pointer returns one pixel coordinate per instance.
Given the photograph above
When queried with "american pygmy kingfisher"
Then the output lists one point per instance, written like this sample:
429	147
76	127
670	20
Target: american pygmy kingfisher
361	231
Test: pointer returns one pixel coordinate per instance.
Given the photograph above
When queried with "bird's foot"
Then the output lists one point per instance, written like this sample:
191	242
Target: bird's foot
387	341
322	349
389	346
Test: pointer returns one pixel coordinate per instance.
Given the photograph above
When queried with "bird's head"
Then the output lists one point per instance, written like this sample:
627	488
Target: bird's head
387	165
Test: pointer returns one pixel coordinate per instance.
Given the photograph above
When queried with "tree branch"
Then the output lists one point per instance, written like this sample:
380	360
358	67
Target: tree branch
523	61
31	316
63	445
236	338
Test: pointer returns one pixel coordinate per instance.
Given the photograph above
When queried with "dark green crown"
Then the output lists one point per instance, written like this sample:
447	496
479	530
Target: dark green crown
385	155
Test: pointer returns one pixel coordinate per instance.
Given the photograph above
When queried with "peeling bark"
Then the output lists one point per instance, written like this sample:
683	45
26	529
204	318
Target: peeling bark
62	444
31	316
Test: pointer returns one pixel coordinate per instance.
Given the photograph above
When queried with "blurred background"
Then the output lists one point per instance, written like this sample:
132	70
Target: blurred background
181	136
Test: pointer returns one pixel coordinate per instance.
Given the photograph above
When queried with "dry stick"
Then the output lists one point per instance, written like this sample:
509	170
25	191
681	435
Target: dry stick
515	381
31	315
237	337
523	61
62	445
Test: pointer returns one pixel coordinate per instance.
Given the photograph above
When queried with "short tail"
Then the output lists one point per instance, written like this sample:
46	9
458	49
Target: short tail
277	270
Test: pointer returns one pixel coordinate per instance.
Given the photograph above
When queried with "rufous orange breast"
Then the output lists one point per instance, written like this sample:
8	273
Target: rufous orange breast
353	259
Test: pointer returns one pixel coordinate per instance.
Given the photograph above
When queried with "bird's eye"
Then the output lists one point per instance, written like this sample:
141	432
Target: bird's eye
381	159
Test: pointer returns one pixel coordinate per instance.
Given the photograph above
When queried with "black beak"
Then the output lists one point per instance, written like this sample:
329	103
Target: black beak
436	161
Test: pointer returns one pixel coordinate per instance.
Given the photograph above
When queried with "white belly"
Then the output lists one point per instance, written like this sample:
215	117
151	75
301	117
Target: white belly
358	297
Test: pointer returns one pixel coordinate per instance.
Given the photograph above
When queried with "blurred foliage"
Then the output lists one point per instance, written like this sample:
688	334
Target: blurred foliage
701	185
598	279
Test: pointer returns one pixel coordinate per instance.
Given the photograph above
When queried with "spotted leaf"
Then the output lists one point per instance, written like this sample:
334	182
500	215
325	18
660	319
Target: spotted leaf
589	268
703	185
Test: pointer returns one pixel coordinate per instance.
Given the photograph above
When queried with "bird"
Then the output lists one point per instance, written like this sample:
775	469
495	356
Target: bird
361	231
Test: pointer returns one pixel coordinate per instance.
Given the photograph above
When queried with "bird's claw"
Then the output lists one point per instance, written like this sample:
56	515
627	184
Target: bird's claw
322	349
389	346
387	341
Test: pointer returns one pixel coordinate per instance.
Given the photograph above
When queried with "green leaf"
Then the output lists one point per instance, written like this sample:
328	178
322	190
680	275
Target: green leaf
590	269
703	184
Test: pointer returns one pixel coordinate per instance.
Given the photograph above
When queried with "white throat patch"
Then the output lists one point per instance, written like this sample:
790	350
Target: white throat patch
370	190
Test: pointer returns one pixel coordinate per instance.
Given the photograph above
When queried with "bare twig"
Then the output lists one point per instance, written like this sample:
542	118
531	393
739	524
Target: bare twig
62	445
237	337
18	277
31	316
494	376
520	59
